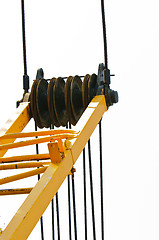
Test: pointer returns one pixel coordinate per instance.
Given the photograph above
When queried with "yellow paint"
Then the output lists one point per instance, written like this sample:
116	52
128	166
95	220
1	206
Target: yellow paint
36	141
36	134
35	204
33	157
16	123
23	165
5	192
54	152
22	175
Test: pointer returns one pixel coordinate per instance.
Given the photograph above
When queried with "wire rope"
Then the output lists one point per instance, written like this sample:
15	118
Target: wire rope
74	206
84	191
41	219
91	190
24	37
104	34
69	207
58	217
101	180
25	76
53	219
100	123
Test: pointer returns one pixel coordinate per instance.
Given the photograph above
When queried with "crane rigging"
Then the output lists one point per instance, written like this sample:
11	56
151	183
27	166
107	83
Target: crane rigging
75	101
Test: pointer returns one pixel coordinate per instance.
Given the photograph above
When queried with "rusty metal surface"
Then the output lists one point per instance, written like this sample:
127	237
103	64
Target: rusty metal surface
42	103
59	101
68	101
76	97
33	104
53	117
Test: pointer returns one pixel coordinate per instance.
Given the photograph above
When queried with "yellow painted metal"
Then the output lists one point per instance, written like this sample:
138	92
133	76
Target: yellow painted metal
36	134
23	165
22	175
36	141
4	192
33	157
54	152
35	204
87	124
16	123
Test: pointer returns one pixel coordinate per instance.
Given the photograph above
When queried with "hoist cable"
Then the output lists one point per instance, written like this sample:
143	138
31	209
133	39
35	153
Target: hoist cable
69	201
69	207
104	34
85	196
101	180
52	209
25	76
58	217
24	38
74	206
91	190
100	126
74	201
53	219
41	219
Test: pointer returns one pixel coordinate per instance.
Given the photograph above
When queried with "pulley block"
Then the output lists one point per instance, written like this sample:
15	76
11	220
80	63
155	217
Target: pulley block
59	102
51	108
68	106
76	97
33	104
85	91
42	103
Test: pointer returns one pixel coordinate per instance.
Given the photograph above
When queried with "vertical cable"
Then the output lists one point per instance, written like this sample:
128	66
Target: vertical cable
74	206
52	208
69	198
104	34
85	197
25	76
41	219
91	189
24	38
101	180
100	126
69	207
58	218
74	202
53	222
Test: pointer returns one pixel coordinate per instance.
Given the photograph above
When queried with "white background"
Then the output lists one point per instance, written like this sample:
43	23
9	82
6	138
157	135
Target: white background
65	38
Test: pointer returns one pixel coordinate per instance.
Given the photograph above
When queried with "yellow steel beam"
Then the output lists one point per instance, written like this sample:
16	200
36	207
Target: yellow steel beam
23	165
16	123
36	141
22	175
37	133
4	192
35	204
42	156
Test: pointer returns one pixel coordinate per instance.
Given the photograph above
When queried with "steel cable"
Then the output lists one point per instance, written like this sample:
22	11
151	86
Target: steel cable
69	208
41	219
52	209
24	37
104	34
85	196
53	219
101	180
58	217
91	190
100	126
74	206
